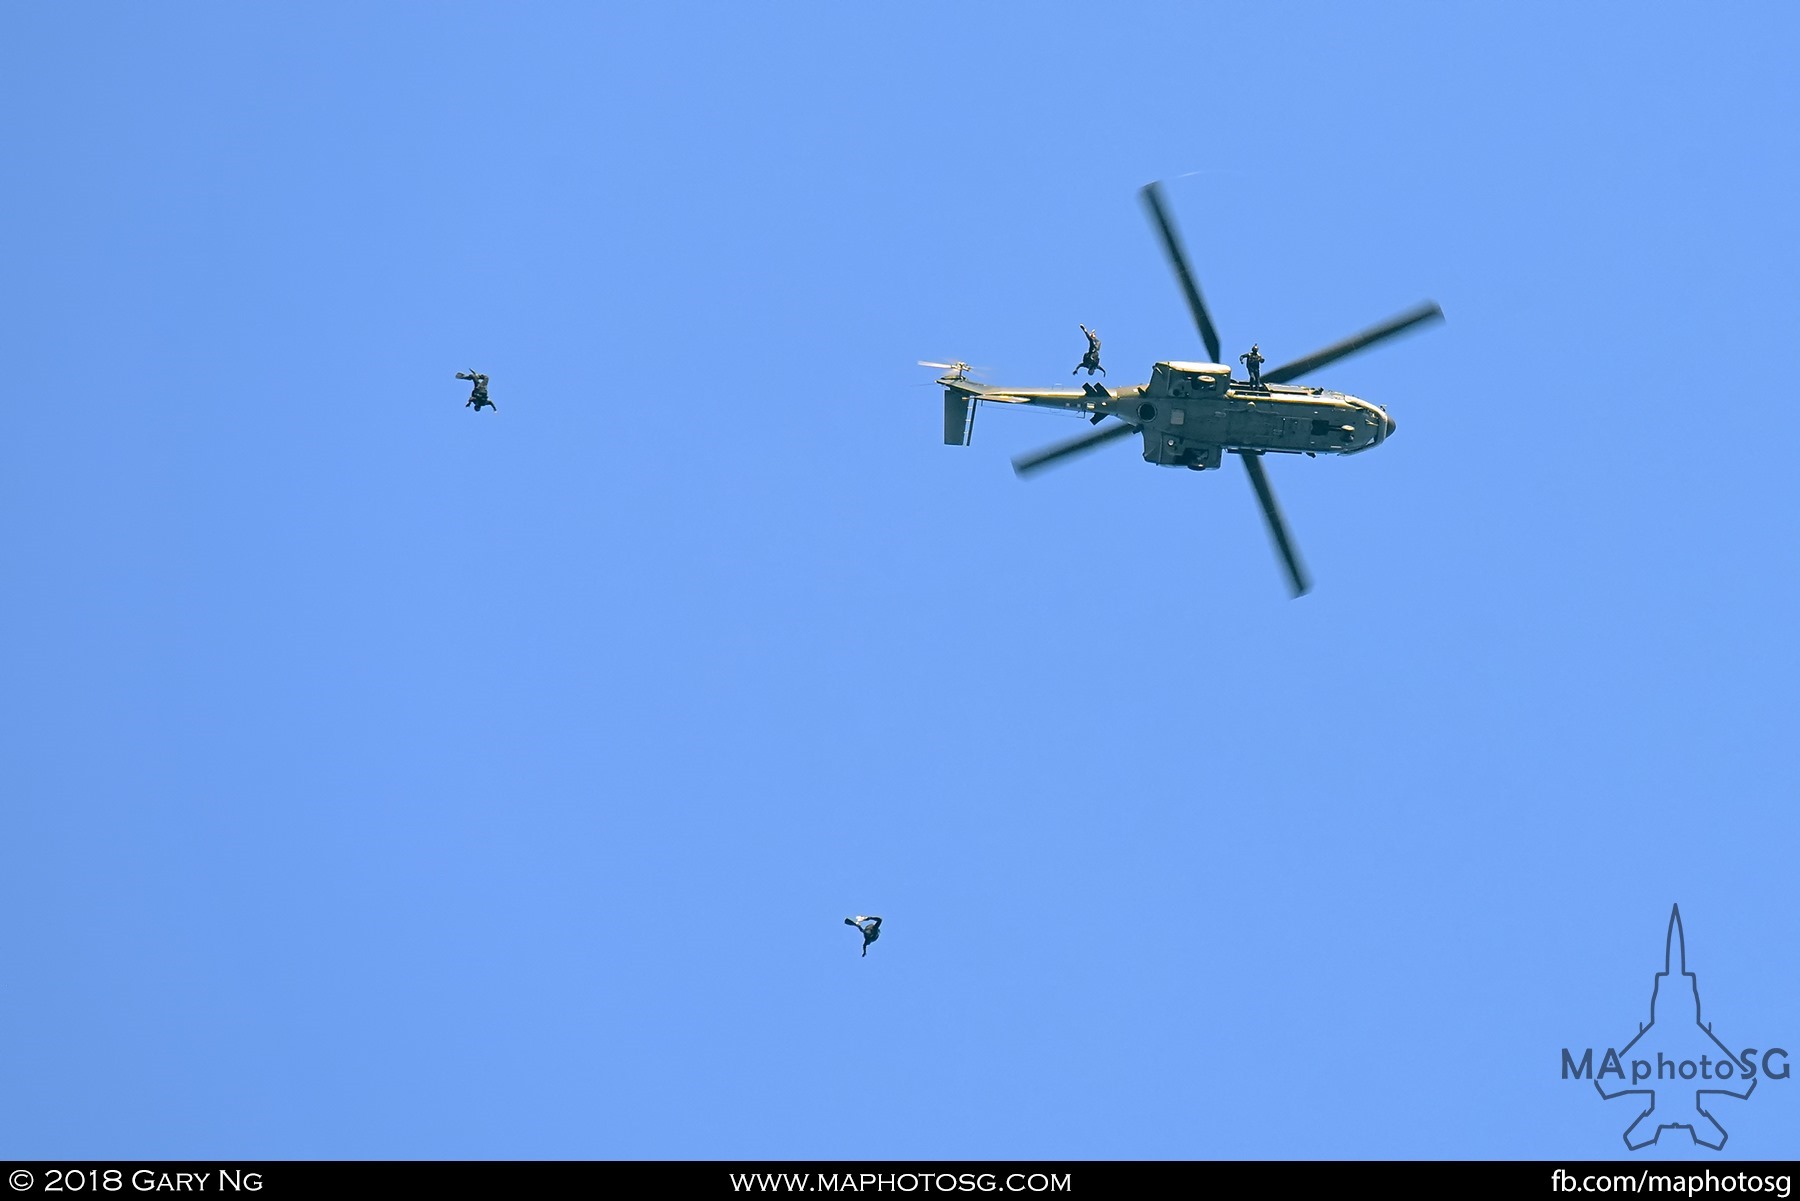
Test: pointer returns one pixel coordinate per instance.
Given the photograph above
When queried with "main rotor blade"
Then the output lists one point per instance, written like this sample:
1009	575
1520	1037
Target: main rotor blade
1036	461
1178	260
1277	525
1355	342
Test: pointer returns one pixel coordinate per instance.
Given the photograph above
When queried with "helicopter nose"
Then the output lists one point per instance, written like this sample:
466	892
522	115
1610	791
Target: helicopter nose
1392	425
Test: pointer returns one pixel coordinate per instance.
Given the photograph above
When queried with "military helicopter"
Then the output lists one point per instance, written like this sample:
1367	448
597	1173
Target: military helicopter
1193	414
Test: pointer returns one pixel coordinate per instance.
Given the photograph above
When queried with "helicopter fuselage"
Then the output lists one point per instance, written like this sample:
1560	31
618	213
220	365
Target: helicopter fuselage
1191	413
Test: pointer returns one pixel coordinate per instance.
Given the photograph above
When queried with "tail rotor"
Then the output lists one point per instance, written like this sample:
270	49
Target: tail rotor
956	370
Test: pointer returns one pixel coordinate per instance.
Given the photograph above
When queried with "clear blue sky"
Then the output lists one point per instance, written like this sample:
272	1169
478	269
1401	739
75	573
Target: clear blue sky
387	780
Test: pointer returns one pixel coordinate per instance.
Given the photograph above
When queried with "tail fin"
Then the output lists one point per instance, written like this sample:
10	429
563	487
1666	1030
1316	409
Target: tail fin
959	416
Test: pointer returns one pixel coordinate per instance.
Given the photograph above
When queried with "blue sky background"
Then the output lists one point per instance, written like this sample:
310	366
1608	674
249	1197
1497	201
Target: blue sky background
386	780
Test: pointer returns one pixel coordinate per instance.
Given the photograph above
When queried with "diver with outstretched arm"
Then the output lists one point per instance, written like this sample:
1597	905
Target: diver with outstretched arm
1090	360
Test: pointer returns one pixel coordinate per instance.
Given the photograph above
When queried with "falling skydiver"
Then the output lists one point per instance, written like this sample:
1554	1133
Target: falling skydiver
869	927
1091	360
478	398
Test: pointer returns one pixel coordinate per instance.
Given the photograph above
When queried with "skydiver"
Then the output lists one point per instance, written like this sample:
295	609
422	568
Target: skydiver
1091	360
1254	361
479	397
869	927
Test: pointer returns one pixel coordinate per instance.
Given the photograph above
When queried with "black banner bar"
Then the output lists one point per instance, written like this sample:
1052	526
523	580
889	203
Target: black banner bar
787	1178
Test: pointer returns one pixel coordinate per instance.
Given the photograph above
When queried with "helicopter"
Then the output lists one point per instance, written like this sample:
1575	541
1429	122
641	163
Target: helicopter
1192	414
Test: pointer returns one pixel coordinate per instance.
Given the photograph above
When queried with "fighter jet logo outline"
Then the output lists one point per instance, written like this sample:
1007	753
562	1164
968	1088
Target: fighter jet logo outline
1700	1124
